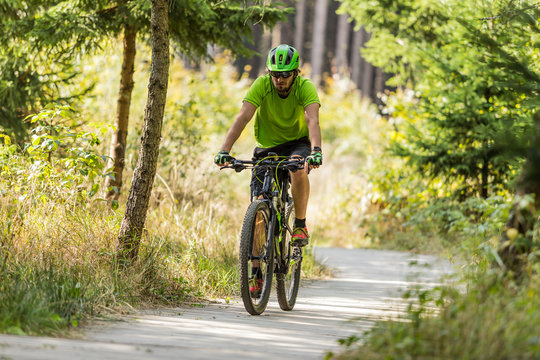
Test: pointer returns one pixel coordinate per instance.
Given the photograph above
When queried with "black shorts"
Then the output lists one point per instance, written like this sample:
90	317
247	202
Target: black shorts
301	147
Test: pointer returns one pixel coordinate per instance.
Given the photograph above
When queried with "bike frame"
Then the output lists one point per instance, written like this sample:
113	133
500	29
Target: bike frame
277	202
277	198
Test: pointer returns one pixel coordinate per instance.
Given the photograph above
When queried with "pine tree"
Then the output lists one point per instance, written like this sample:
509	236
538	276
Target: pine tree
466	115
29	76
477	78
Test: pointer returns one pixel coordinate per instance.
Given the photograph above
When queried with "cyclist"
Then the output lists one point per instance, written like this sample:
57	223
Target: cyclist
286	109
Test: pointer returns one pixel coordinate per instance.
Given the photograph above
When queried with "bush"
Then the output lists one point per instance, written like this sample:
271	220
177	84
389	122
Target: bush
495	318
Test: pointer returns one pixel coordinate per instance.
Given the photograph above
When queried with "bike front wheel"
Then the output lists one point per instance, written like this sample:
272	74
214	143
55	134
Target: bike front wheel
287	284
256	258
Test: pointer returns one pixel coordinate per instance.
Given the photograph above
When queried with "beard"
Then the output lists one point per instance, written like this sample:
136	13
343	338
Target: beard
284	91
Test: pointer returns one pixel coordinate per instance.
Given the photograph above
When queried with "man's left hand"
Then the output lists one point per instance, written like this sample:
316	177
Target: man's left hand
315	159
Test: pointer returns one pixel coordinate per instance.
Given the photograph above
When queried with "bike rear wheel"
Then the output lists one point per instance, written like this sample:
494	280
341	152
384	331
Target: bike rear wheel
287	284
255	286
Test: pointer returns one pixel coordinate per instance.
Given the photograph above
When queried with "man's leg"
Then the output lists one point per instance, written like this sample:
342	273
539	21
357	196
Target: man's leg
300	193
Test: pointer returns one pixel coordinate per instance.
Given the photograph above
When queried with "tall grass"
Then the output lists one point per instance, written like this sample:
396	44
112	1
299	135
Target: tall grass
58	265
495	318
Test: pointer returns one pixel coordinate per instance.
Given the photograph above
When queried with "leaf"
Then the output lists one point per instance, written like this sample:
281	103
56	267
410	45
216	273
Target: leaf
15	330
36	140
7	139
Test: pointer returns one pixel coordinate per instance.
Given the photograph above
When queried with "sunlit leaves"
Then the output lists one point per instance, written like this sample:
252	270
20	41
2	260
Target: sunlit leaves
471	66
59	162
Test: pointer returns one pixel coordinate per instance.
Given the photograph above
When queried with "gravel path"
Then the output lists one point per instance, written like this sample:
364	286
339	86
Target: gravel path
366	288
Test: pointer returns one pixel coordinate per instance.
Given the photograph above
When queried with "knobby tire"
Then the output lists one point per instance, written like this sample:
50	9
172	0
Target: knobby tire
287	284
256	221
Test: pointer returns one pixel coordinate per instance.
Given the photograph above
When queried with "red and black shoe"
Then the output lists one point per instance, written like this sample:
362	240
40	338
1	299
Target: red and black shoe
256	285
300	237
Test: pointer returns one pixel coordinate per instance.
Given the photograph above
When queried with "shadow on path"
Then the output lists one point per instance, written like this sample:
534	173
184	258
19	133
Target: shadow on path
366	288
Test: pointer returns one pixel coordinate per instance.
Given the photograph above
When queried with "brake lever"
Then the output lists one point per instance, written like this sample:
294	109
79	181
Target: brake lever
239	168
234	165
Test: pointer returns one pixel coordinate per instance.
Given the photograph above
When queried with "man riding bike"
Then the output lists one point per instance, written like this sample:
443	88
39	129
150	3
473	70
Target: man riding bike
286	109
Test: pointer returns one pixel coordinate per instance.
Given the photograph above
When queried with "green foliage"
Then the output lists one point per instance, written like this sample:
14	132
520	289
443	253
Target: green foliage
196	24
462	118
43	299
196	112
493	319
58	267
29	83
474	75
43	42
59	164
29	80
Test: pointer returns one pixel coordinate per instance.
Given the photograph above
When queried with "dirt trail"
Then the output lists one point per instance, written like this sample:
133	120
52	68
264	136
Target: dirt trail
366	288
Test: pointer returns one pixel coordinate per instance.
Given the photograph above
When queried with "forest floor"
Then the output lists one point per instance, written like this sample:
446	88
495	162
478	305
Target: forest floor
367	287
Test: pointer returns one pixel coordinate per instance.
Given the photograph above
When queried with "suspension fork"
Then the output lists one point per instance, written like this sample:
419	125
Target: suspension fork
282	227
276	221
271	228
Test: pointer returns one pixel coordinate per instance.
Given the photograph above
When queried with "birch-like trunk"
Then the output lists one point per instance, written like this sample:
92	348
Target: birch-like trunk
342	44
319	30
356	58
299	25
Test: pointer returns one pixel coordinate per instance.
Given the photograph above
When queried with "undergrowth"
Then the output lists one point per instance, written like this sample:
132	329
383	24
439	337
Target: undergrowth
486	312
494	318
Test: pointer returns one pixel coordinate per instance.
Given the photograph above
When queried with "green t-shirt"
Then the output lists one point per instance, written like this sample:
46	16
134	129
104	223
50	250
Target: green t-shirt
280	120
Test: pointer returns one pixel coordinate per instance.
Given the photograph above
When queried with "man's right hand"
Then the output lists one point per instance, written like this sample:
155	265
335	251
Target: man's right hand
223	157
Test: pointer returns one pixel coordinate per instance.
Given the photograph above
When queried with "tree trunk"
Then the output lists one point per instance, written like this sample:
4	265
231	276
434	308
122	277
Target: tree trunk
118	145
255	61
319	30
356	58
484	181
299	25
143	177
264	48
276	36
287	30
367	74
379	85
516	241
342	44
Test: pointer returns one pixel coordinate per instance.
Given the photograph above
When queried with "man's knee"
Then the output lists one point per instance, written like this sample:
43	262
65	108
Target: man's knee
299	176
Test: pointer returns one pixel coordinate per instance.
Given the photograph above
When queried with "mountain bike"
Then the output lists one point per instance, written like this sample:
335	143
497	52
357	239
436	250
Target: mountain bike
265	241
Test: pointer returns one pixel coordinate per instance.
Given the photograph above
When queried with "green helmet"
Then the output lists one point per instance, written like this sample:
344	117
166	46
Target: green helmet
283	58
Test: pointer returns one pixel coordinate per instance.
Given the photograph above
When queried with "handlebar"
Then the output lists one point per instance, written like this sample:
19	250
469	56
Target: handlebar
269	162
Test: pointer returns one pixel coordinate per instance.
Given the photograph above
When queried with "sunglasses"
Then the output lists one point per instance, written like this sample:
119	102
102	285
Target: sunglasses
283	74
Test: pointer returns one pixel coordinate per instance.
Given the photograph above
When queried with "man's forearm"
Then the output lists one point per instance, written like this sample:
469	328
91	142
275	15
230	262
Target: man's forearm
312	119
315	137
314	133
245	115
232	135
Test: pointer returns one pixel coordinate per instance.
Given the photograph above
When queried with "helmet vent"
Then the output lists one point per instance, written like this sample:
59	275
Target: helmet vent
290	54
